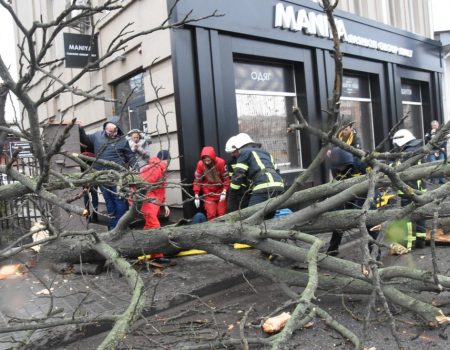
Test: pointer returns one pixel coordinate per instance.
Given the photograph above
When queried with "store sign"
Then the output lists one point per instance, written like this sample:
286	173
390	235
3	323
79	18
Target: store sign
410	92
25	149
80	49
261	77
313	23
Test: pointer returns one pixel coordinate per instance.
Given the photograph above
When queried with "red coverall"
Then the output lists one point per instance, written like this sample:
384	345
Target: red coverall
154	173
211	189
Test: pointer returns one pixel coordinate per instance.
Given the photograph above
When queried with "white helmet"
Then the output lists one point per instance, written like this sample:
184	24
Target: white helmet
402	137
229	146
242	139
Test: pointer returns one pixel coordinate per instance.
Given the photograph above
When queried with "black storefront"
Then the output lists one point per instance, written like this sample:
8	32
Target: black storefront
243	72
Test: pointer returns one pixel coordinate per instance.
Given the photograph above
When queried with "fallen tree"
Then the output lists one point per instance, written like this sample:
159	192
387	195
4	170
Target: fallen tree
292	237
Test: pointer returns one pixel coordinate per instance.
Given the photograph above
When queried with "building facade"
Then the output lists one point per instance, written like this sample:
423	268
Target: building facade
245	70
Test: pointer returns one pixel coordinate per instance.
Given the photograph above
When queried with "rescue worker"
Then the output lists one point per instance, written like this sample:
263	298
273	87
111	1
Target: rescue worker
155	174
211	179
240	199
406	142
256	167
344	166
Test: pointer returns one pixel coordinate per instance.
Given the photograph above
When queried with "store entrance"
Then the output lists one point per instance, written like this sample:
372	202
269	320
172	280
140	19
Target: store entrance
265	96
356	102
412	108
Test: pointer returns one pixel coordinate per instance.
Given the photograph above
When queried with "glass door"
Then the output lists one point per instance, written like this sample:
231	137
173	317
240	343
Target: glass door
356	102
412	108
265	96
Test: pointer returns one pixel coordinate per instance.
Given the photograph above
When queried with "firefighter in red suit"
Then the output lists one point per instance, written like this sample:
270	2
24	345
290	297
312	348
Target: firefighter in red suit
212	182
155	174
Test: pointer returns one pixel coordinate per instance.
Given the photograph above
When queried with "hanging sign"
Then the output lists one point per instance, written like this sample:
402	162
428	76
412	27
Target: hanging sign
80	49
25	149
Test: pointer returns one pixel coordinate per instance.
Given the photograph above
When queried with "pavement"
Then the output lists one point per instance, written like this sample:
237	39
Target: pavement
39	291
199	300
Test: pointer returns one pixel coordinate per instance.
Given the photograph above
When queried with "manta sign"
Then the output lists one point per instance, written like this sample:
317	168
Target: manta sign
312	23
79	50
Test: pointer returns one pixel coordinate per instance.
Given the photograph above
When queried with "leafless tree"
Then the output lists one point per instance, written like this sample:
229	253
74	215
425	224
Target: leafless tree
388	284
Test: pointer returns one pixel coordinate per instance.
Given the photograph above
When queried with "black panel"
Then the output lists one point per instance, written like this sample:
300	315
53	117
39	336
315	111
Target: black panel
224	91
206	88
188	113
256	18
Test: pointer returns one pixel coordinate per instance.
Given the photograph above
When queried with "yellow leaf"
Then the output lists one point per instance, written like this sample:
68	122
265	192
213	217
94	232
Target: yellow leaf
442	319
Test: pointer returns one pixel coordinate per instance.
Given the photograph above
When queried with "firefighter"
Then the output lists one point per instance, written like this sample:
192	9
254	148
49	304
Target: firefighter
240	198
255	167
406	142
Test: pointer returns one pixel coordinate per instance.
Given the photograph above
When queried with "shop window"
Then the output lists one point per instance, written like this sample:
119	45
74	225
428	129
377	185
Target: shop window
265	95
412	107
130	103
82	24
357	103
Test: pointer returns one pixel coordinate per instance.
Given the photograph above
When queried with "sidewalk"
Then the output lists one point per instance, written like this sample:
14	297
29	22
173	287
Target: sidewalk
174	293
40	290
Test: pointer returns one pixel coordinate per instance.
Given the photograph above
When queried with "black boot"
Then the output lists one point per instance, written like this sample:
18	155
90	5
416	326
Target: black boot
335	241
420	243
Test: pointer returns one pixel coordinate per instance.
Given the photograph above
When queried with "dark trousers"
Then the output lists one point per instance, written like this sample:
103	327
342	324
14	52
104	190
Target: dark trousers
336	237
433	157
115	205
262	196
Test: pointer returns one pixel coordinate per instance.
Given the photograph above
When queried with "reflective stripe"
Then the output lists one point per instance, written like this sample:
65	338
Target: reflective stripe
267	173
258	160
242	166
409	238
421	234
273	162
235	187
268	185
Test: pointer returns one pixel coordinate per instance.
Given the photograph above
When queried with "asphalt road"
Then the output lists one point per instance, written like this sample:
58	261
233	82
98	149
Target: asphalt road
201	303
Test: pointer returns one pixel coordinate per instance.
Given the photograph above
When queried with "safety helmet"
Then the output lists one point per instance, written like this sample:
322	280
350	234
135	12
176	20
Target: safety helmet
242	139
229	146
402	137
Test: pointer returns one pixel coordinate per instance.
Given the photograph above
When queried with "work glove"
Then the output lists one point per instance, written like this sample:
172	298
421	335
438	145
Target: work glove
223	195
397	249
197	201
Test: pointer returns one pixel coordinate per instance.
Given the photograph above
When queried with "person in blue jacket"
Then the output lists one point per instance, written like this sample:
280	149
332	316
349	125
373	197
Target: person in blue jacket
255	167
111	145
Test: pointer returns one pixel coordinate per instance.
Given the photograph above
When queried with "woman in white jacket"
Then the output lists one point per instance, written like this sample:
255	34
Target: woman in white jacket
140	145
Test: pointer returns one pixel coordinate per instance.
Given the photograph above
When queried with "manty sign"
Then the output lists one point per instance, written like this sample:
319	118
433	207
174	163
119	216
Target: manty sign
80	49
22	148
313	23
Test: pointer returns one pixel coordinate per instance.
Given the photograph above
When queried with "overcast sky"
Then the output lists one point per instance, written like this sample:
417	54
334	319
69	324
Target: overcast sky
441	11
7	47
